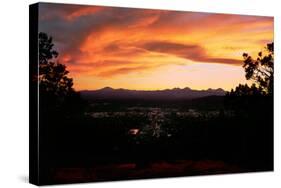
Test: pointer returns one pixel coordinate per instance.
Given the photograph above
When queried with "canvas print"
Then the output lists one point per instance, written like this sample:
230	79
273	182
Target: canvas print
127	93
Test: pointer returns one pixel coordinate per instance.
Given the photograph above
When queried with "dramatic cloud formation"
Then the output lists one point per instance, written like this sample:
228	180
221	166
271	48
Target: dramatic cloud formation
191	52
106	46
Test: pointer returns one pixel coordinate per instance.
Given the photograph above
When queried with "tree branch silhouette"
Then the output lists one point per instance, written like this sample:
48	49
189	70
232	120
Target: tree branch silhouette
260	71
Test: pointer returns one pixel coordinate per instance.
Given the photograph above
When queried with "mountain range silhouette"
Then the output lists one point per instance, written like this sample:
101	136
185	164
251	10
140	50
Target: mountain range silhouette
166	94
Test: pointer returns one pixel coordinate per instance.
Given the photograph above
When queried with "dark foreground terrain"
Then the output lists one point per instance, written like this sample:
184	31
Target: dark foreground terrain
131	139
156	169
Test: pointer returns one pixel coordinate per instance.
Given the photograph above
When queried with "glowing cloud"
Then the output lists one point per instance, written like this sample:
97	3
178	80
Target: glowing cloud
106	46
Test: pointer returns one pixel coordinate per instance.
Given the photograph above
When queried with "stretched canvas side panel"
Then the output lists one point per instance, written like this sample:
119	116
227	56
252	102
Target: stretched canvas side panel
33	96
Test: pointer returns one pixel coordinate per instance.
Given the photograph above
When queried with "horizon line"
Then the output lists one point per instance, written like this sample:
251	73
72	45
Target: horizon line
108	87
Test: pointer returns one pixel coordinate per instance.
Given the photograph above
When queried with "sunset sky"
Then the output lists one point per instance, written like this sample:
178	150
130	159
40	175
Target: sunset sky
152	49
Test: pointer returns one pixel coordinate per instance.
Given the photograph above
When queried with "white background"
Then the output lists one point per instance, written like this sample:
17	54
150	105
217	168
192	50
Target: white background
14	92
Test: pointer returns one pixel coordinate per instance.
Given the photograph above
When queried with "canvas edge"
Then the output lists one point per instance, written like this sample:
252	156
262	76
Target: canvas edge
33	96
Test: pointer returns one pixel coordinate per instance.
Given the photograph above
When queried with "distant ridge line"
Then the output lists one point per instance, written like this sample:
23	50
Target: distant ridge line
165	94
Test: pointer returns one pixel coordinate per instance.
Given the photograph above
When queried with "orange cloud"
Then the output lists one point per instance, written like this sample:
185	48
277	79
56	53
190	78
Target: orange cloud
83	11
190	52
124	70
